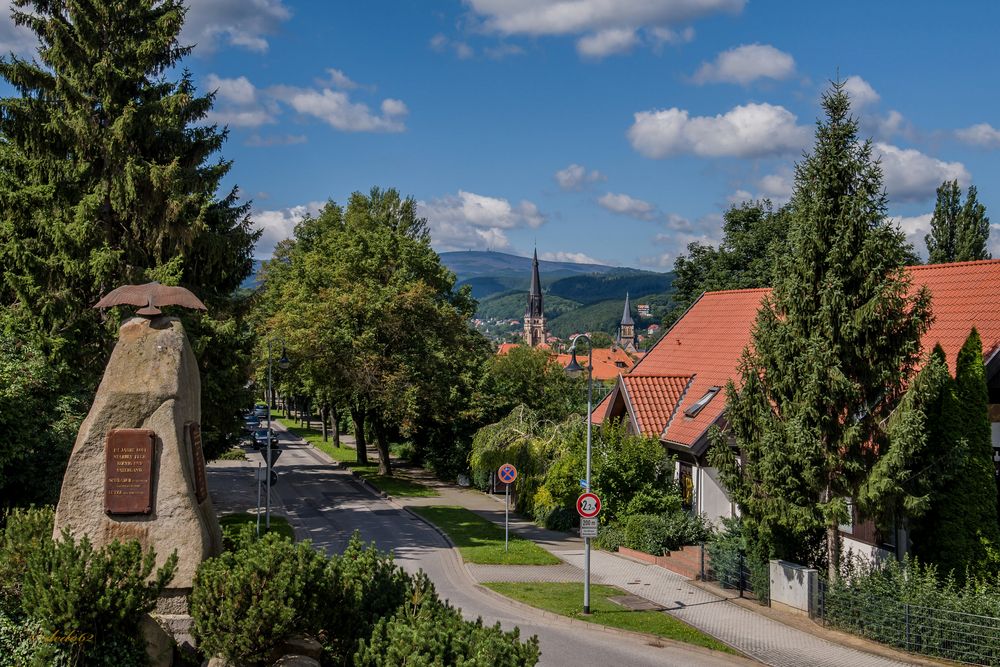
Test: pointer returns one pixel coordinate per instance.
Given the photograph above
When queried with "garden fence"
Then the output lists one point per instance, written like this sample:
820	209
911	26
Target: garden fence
730	570
942	633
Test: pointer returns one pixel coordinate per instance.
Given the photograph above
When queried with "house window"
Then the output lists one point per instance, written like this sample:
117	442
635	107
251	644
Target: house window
702	402
848	527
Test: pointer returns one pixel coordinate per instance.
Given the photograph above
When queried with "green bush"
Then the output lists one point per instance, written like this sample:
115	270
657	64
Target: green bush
611	537
24	532
71	590
360	587
245	602
235	454
653	501
19	640
426	631
659	534
911	606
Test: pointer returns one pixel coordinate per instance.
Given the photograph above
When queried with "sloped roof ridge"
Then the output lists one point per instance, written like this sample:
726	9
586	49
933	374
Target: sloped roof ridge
746	290
977	262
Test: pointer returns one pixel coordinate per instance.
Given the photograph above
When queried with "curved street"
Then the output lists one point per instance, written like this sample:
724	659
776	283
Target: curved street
326	505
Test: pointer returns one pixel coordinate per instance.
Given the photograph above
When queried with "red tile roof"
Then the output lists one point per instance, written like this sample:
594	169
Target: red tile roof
707	341
506	347
963	295
655	399
609	363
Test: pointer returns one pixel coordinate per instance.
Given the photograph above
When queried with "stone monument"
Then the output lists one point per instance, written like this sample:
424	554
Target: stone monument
137	470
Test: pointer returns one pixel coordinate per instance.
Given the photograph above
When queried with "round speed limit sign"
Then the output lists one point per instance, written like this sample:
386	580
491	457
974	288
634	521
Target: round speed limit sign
588	505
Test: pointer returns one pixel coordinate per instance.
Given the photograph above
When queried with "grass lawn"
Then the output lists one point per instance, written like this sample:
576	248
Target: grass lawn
566	599
480	541
346	456
232	523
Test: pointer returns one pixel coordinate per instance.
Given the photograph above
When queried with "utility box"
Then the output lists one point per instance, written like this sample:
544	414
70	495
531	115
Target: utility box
795	586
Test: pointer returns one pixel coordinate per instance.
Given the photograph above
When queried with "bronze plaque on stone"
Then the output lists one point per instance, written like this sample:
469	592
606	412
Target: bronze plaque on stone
128	471
198	458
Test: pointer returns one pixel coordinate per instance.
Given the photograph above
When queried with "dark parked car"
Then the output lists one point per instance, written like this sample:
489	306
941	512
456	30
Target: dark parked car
260	439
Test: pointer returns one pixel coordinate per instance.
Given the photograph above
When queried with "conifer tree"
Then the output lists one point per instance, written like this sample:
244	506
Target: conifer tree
959	232
971	501
108	177
830	350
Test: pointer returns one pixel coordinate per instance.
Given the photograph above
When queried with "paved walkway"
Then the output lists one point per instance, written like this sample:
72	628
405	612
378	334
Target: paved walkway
763	638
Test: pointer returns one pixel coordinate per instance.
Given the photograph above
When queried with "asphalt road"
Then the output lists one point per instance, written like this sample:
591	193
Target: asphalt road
327	505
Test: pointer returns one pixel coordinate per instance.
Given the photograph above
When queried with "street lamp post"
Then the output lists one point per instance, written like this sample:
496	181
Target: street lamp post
282	364
575	369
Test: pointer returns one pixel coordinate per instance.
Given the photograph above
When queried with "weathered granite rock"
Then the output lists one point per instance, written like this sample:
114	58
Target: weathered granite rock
151	382
159	644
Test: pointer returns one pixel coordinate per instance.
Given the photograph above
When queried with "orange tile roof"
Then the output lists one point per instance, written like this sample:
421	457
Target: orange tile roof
655	399
609	363
506	347
710	337
963	295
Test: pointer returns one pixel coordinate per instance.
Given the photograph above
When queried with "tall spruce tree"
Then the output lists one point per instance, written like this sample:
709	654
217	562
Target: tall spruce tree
107	177
959	232
830	351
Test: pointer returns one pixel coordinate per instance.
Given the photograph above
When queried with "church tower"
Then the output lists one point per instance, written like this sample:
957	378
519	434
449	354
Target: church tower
626	330
534	316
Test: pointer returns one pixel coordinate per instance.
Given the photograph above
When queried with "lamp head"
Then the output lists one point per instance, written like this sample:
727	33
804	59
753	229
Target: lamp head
573	368
283	362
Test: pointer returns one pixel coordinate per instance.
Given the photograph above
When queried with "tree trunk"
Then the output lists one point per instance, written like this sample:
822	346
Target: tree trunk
832	542
322	421
335	424
360	445
382	443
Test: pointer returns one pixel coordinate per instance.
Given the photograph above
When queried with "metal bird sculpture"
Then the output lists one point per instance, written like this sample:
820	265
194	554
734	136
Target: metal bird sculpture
151	297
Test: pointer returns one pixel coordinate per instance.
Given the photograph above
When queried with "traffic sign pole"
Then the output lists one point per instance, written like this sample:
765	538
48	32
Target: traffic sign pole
507	474
506	517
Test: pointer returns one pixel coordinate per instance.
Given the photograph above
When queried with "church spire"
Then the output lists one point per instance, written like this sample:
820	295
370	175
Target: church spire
535	293
626	330
627	315
534	315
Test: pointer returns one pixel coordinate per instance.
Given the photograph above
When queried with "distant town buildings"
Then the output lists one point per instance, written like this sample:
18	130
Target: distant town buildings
626	330
643	310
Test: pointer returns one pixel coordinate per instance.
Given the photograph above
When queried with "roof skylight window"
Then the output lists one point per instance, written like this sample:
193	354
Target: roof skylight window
702	402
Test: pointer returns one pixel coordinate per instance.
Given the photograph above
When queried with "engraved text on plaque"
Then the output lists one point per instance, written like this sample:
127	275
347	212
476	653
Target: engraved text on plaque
198	458
128	471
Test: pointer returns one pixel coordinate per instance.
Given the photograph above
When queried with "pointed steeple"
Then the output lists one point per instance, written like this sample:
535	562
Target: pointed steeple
535	293
627	315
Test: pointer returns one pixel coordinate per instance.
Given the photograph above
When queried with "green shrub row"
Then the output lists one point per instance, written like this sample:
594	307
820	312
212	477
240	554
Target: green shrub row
910	606
656	534
361	606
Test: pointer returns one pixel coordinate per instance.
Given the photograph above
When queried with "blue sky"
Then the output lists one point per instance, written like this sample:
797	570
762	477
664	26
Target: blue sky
611	130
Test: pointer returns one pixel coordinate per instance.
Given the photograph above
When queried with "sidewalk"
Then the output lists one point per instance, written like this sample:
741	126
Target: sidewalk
753	633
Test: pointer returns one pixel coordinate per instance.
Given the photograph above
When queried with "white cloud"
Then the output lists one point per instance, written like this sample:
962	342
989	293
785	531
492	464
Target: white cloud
340	80
913	176
238	103
441	43
626	205
860	91
995	240
751	130
916	228
336	108
981	134
279	225
473	221
607	42
574	257
563	17
501	51
777	187
576	177
237	91
746	63
241	23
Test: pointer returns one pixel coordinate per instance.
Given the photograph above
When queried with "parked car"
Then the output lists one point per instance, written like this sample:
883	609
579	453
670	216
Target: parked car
251	423
260	439
260	411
